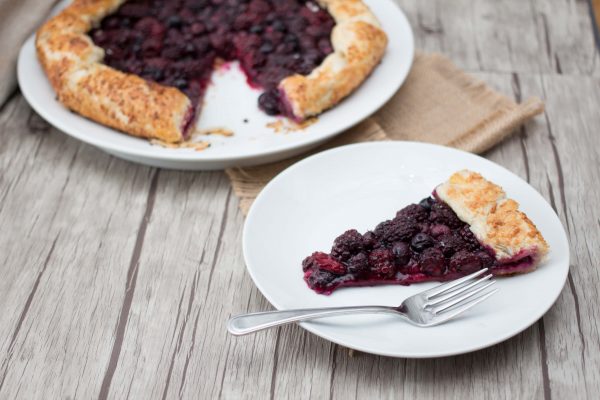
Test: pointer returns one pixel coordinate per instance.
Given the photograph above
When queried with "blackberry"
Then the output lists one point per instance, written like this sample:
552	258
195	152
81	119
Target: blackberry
465	262
487	261
400	230
413	211
320	280
381	229
370	240
439	230
450	244
382	263
432	262
347	244
469	238
442	214
359	264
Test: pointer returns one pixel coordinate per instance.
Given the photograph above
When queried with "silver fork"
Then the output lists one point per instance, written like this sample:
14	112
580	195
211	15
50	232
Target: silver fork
428	308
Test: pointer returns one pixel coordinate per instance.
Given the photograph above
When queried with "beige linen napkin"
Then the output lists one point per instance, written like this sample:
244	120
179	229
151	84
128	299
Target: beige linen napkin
438	103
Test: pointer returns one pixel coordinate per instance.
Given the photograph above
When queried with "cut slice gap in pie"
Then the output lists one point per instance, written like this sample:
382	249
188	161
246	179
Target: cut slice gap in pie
466	225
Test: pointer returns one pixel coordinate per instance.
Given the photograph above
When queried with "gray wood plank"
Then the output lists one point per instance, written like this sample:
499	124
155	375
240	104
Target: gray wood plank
572	331
534	36
70	216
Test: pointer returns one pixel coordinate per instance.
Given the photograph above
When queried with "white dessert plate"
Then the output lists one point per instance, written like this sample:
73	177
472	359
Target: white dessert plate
230	103
305	207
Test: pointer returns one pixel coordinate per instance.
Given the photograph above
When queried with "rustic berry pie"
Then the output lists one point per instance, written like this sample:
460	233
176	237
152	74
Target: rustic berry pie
142	66
468	224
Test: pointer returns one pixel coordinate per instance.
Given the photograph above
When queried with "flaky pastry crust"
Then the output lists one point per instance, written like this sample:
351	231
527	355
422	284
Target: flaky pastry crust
359	43
494	219
85	85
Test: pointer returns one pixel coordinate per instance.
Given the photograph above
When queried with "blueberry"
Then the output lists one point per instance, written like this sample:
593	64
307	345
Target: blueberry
401	253
256	29
99	36
180	84
290	38
278	25
266	48
153	73
421	241
136	47
174	21
269	102
189	48
426	203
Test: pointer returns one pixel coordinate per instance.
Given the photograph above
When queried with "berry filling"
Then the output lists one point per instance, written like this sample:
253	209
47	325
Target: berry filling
424	242
176	42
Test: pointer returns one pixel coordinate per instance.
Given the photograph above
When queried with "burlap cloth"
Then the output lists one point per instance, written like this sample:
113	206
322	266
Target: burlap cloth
438	103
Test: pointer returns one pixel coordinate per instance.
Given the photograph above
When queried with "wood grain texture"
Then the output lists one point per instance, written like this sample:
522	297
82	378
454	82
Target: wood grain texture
117	279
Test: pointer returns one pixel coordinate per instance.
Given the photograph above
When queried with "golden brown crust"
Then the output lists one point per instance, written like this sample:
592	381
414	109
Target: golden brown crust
126	102
494	219
359	44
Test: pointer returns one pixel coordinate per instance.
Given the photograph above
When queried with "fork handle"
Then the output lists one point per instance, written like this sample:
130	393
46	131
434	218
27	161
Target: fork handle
249	323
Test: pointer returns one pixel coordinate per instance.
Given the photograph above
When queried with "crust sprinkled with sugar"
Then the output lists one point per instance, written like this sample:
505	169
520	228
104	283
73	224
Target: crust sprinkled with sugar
85	85
494	219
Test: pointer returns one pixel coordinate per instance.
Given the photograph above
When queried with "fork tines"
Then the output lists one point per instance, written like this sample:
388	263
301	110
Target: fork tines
458	296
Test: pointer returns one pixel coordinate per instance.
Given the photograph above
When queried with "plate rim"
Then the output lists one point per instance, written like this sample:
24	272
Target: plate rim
423	355
201	158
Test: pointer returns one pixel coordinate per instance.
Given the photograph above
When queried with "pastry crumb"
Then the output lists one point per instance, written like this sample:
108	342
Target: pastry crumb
286	125
198	146
277	126
215	131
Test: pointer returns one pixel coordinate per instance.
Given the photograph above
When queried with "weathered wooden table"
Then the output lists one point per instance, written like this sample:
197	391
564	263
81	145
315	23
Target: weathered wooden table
116	280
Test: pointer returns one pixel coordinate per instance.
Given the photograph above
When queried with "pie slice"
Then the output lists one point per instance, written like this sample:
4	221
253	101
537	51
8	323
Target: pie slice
142	66
468	224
